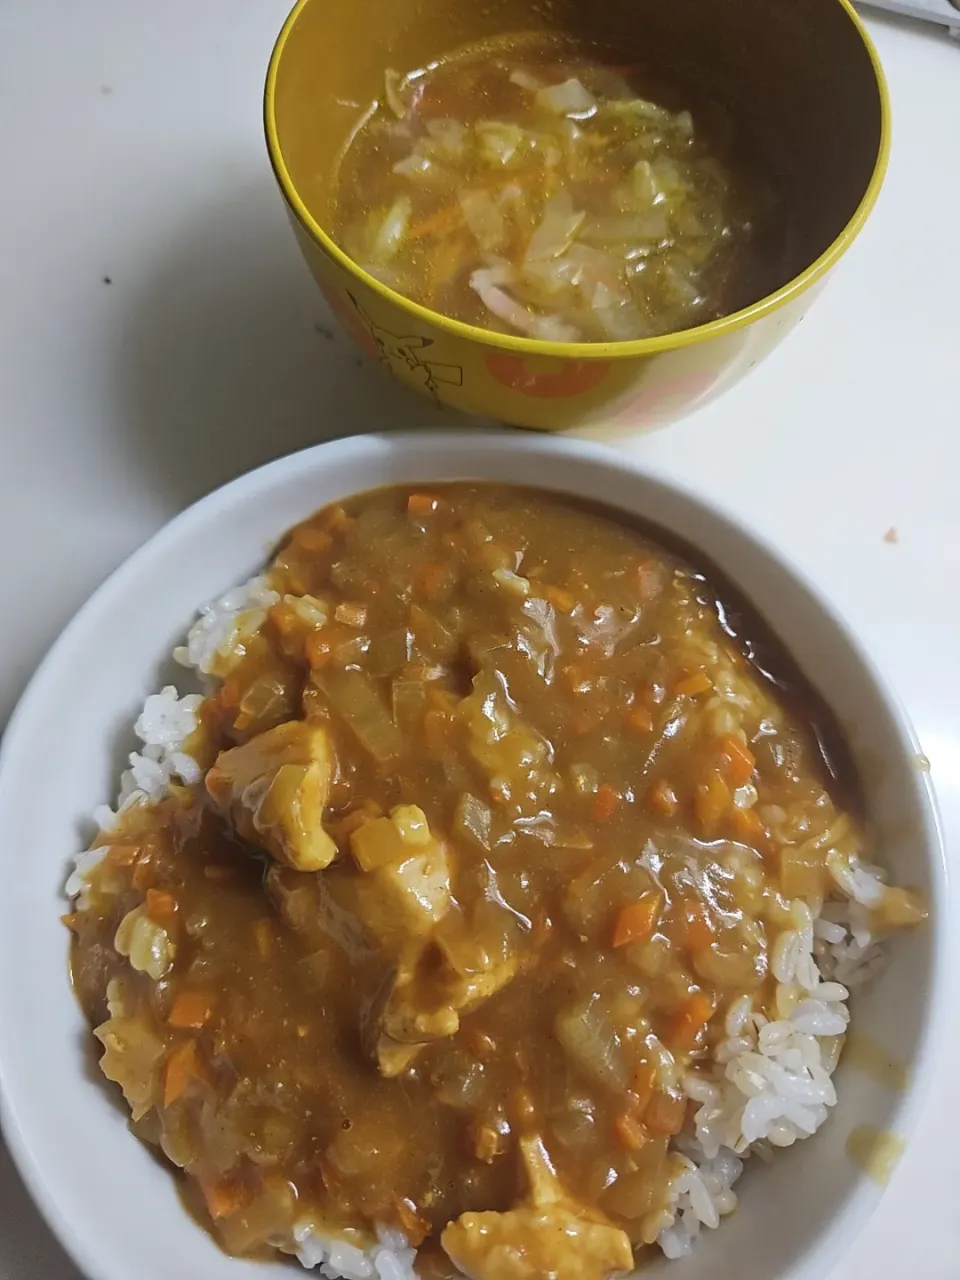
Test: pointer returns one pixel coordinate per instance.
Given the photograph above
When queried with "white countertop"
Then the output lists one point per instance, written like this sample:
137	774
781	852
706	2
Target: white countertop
131	151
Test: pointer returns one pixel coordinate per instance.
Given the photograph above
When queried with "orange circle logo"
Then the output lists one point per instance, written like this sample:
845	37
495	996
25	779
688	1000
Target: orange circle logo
572	378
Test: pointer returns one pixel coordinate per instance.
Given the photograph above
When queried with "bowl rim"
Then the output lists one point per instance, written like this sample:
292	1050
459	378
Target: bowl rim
824	1249
584	351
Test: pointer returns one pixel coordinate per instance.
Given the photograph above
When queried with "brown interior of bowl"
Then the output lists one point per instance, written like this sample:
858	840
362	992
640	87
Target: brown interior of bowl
794	75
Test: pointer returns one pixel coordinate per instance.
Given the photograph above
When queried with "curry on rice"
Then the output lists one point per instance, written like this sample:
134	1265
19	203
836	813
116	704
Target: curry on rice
495	900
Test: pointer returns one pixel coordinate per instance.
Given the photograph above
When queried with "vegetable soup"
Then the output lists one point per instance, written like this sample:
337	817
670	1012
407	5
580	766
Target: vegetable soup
528	188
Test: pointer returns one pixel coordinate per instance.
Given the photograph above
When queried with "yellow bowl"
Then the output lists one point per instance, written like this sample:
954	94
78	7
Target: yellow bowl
803	73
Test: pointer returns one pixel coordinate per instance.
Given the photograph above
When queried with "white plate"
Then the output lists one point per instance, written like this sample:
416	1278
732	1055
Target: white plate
111	1202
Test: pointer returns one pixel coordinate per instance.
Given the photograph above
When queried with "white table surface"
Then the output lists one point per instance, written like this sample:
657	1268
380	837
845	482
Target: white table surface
131	151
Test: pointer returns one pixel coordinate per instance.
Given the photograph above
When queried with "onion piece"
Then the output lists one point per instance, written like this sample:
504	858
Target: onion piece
590	1041
473	819
504	307
353	696
392	230
568	99
393	86
524	80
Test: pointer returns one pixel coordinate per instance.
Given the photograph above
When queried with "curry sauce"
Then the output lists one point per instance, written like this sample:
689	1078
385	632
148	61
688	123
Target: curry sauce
504	808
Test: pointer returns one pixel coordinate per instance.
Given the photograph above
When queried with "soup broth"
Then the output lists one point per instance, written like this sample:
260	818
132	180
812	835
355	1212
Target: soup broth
528	188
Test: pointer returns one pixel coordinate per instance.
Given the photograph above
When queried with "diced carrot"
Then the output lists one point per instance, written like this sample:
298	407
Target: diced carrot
430	579
310	538
691	1021
643	1086
690	686
422	504
712	800
415	1227
223	1198
182	1067
640	718
161	906
263	936
636	922
73	920
747	827
446	261
230	692
321	643
665	1113
698	931
605	803
736	760
351	615
124	853
663	799
191	1009
284	618
630	1131
563	600
441	220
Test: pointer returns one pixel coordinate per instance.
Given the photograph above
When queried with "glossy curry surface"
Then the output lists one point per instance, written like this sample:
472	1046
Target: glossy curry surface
504	806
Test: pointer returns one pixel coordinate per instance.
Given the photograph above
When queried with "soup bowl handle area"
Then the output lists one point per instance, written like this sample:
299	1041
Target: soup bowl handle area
113	1205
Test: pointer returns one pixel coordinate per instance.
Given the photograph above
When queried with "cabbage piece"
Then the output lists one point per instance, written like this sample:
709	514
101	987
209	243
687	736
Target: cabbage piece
450	138
556	231
629	228
484	217
498	140
617	313
567	99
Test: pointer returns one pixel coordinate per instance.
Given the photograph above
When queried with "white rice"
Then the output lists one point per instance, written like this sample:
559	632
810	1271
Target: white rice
339	1259
769	1084
164	727
217	635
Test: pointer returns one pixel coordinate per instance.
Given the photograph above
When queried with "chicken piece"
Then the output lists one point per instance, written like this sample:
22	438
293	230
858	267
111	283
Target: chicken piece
549	1235
425	1002
516	758
274	788
406	890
